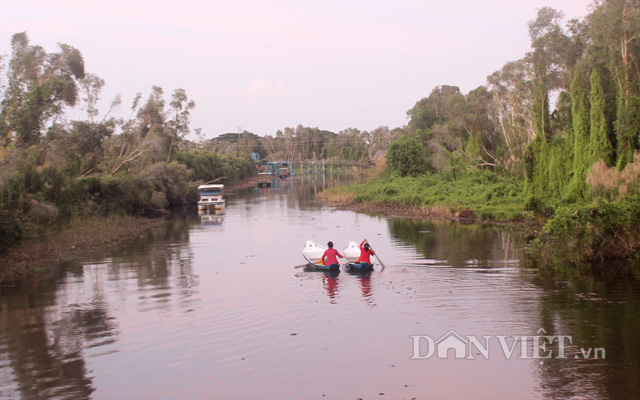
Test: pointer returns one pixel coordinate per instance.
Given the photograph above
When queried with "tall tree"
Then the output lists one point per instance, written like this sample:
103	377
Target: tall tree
581	130
181	108
511	112
40	86
91	86
600	145
152	114
547	41
546	59
615	35
483	140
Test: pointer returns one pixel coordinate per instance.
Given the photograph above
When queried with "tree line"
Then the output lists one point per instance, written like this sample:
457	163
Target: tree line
54	167
564	119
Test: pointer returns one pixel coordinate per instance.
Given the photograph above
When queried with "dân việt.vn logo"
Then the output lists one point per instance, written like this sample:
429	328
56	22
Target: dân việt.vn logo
469	347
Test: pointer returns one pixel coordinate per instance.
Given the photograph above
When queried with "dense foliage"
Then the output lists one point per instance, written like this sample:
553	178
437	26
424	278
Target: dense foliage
595	234
53	168
583	153
589	70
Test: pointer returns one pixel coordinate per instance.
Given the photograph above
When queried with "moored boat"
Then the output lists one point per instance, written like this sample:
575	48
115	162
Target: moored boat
211	198
264	180
264	177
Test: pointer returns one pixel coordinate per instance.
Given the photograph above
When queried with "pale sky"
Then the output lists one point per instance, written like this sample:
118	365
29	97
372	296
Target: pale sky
262	66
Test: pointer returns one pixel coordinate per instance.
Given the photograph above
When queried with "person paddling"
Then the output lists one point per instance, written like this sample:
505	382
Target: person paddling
331	255
365	254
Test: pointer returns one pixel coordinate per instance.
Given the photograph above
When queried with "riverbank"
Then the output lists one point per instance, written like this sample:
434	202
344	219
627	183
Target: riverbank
61	244
532	226
57	245
377	197
602	237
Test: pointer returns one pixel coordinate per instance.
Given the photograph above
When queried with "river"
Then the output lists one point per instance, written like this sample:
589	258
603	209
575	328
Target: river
215	309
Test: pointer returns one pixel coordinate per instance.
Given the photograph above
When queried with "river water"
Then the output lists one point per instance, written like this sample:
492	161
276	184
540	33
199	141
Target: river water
215	309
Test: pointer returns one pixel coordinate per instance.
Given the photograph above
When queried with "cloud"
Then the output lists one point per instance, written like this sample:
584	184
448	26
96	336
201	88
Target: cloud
260	87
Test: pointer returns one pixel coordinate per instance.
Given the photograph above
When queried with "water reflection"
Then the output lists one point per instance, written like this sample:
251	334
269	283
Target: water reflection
43	345
301	190
49	329
475	245
598	316
213	220
599	320
364	277
330	284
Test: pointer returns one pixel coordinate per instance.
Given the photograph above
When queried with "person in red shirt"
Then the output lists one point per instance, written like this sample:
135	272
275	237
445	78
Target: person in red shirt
331	255
365	254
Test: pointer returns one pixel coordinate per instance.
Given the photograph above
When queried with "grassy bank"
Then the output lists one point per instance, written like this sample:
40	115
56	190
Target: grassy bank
474	194
60	244
600	237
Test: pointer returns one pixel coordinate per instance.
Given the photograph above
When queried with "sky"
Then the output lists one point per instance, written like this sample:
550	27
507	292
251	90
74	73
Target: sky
262	66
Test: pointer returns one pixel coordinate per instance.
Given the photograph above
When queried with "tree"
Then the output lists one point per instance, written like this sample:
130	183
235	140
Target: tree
581	124
600	145
152	114
547	41
483	140
407	156
40	86
91	86
181	107
377	139
615	35
547	59
511	91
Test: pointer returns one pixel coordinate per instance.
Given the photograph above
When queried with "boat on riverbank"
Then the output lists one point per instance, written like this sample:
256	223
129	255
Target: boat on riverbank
313	252
211	198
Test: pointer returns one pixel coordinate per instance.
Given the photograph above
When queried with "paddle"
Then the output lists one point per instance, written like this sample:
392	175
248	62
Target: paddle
307	264
377	257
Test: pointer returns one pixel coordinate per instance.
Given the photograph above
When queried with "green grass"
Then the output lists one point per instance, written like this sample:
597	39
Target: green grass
485	193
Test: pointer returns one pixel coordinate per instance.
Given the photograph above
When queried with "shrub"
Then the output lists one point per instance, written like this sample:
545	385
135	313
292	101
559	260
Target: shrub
407	156
592	233
11	229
